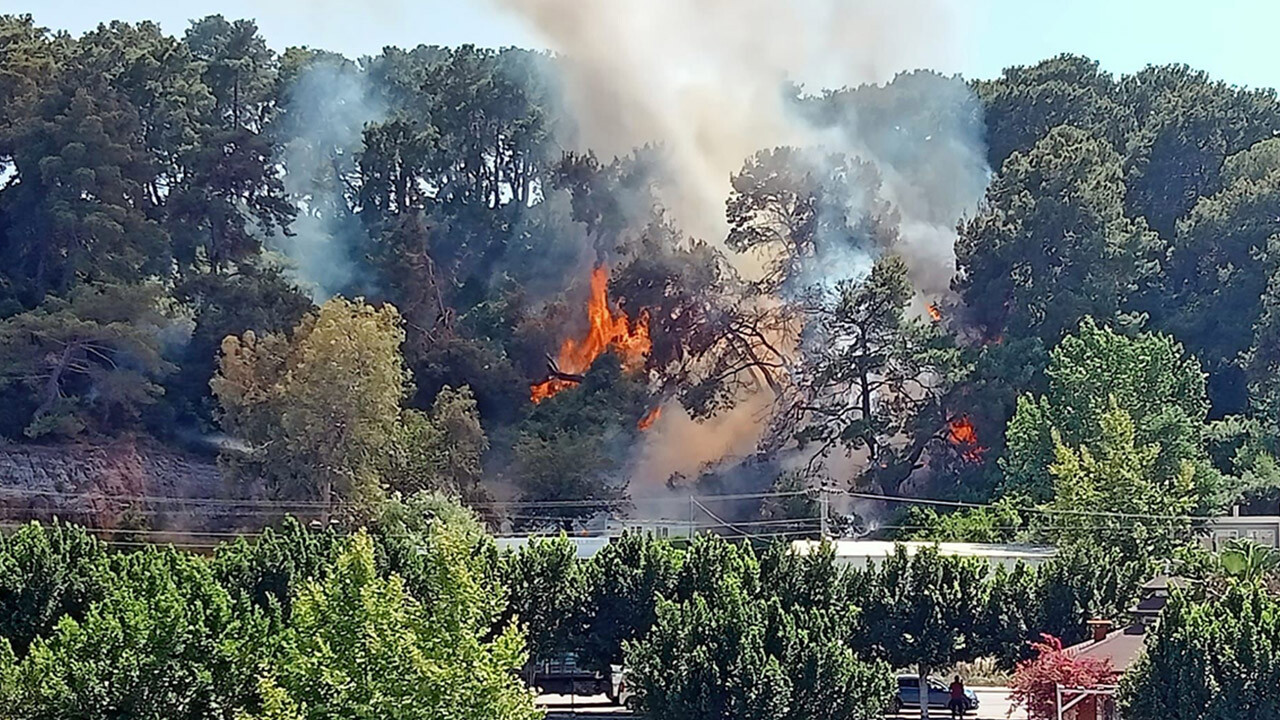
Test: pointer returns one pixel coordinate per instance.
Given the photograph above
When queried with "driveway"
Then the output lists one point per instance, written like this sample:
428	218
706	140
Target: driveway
993	704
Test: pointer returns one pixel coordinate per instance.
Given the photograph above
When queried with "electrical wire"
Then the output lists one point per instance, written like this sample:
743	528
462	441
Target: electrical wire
1036	510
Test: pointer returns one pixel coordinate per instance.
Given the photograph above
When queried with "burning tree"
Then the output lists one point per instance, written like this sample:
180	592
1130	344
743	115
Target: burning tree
607	329
871	379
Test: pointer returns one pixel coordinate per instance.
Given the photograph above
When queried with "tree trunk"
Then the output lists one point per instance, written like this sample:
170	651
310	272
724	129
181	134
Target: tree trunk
924	692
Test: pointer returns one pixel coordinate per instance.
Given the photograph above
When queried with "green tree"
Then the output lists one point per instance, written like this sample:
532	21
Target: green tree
1148	376
442	450
256	297
231	179
164	642
706	658
922	610
322	407
1008	618
271	569
1209	658
730	649
624	582
1185	126
1001	522
547	594
361	644
47	572
1262	363
1219	266
1082	583
1028	101
79	208
87	363
1115	493
1051	242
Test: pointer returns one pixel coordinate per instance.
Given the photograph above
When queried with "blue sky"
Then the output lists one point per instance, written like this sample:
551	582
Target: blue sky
1234	40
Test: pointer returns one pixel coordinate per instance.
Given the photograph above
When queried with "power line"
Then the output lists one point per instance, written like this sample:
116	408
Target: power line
271	503
1037	510
91	495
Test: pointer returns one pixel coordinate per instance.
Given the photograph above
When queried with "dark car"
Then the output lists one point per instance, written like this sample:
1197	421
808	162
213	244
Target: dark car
939	694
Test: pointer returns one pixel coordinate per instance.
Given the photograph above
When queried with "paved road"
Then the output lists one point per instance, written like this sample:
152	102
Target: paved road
993	704
564	707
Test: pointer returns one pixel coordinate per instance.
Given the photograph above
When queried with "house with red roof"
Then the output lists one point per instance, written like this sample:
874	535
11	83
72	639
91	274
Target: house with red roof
1118	647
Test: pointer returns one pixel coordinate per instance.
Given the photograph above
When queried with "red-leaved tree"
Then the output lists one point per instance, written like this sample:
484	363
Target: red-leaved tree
1035	681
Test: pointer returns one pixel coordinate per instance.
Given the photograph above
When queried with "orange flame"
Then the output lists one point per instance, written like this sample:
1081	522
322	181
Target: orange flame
962	435
649	418
606	329
934	312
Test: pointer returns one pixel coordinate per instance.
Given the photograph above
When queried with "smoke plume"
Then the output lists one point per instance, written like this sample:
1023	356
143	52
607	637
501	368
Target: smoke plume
328	105
710	80
715	81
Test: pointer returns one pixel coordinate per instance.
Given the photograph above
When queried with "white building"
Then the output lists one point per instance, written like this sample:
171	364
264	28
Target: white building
860	553
587	547
1264	529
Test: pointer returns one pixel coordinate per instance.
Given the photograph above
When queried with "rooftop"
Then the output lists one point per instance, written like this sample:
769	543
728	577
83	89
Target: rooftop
885	548
1120	648
586	547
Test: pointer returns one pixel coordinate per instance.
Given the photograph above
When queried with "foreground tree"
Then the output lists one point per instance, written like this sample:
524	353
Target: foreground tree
360	644
723	651
1209	658
47	572
166	642
1035	681
922	610
624	583
547	594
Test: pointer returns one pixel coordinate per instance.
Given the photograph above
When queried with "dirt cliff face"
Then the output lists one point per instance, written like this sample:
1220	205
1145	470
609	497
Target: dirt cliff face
130	482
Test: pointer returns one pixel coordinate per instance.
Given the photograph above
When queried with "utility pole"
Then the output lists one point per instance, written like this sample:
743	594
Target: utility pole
823	502
689	529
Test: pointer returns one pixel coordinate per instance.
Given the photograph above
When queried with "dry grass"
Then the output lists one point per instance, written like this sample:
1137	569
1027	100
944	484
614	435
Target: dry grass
980	672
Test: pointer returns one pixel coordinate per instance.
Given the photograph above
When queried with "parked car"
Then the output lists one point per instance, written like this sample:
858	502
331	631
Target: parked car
939	694
562	675
620	693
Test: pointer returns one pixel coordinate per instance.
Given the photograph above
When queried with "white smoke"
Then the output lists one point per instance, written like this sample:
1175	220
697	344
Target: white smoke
328	106
715	81
708	80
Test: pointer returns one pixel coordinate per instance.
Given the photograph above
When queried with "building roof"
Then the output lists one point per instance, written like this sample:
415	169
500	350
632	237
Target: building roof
1120	648
586	547
876	549
1166	582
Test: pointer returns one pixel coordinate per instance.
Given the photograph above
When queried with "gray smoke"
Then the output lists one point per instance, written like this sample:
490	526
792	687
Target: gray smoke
707	79
327	108
713	82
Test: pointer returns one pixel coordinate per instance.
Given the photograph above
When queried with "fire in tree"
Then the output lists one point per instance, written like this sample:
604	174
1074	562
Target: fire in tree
649	418
961	434
934	312
606	330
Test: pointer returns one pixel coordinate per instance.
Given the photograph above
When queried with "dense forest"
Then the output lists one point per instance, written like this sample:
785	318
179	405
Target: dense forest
1056	288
